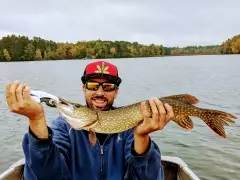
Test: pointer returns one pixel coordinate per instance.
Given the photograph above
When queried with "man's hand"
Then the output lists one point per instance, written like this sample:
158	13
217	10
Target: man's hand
161	115
19	101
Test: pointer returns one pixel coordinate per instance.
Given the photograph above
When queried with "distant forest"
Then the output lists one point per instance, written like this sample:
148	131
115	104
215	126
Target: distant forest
22	48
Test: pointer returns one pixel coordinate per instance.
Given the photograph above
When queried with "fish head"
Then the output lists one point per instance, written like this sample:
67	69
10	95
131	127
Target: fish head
77	117
65	109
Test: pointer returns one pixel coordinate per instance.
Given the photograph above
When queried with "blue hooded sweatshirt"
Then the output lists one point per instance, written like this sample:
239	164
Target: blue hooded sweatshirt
67	154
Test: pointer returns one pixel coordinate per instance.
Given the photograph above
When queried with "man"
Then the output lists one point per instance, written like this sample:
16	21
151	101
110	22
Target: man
60	152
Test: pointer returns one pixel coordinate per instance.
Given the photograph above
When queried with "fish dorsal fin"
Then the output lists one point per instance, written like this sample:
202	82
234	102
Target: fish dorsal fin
184	121
185	98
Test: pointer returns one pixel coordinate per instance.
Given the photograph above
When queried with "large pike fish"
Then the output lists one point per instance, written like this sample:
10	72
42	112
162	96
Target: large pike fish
124	118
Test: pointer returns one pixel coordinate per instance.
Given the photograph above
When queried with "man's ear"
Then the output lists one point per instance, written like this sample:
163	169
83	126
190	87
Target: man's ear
116	94
83	87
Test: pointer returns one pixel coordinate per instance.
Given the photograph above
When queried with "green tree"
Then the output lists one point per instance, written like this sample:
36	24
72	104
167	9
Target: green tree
29	52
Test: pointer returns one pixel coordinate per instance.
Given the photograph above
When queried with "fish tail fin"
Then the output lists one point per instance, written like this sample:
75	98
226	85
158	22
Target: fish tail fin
185	98
216	120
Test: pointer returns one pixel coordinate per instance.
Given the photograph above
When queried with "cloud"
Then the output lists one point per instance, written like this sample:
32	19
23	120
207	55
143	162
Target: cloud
171	23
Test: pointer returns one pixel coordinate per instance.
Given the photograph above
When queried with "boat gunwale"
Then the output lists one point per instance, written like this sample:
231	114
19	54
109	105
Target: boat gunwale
171	159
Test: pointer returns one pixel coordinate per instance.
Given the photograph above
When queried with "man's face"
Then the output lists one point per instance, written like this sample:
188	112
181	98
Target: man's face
99	99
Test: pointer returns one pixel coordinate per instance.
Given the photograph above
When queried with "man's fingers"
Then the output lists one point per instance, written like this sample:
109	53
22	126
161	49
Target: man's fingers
170	113
154	108
19	93
12	92
8	96
26	93
162	114
155	114
161	108
7	87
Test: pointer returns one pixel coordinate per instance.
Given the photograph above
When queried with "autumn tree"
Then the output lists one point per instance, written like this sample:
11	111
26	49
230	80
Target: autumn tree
6	55
38	55
231	46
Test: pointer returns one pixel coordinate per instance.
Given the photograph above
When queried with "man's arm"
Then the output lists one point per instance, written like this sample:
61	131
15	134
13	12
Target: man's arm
47	158
145	166
143	157
46	153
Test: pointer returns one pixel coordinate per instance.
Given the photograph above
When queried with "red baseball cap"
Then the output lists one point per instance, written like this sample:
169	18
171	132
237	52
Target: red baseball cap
101	69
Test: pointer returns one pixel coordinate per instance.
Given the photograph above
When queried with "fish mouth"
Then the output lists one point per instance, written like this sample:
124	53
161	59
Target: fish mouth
65	108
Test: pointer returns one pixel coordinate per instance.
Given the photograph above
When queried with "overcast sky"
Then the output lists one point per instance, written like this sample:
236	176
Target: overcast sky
166	22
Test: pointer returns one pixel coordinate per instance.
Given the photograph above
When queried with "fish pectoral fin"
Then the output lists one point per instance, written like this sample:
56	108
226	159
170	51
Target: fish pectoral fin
185	98
92	137
91	134
184	121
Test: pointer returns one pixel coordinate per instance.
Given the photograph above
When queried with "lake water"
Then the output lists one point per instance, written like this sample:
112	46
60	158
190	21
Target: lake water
215	80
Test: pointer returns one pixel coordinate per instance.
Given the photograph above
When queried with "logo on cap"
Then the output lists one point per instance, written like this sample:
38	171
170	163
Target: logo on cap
103	69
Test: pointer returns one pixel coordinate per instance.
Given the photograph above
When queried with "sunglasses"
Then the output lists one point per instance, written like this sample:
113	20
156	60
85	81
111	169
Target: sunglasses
94	86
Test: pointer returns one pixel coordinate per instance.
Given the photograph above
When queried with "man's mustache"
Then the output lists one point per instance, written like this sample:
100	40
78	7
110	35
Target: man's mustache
100	97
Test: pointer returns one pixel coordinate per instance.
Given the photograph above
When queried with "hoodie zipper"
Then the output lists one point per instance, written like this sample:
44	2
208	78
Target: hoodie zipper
101	149
101	157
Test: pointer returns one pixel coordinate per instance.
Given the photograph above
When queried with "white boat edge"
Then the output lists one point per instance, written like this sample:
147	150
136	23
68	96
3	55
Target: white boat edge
184	173
182	165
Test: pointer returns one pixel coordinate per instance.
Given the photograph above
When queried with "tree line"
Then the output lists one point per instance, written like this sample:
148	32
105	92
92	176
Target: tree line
192	50
22	48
